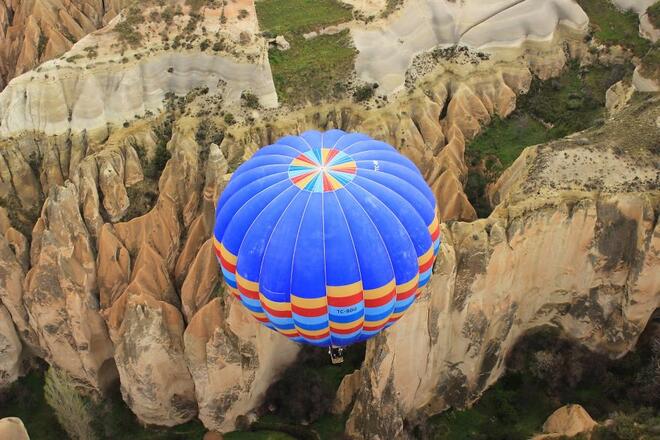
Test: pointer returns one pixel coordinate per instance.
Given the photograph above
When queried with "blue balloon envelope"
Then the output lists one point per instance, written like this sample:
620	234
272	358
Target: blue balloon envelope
328	237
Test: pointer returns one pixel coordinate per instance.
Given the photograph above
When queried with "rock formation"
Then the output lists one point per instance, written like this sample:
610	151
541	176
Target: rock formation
88	88
33	31
12	428
386	50
232	361
569	421
10	349
574	243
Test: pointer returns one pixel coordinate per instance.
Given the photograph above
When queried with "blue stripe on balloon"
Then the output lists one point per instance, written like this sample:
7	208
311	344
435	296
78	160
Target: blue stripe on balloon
309	326
368	317
340	318
424	278
385	309
280	323
231	283
403	305
316	322
374	261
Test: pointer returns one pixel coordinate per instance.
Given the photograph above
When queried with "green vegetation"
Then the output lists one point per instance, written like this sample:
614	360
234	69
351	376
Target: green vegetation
73	409
550	110
286	17
41	45
128	29
364	92
156	165
250	99
654	14
313	69
612	26
110	417
25	399
391	6
546	372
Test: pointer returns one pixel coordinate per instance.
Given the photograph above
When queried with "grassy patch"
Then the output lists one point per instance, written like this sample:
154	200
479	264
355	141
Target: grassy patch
514	409
612	26
311	70
282	17
550	110
25	400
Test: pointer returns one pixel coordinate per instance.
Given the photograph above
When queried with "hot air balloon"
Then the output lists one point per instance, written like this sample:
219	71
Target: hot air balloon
327	238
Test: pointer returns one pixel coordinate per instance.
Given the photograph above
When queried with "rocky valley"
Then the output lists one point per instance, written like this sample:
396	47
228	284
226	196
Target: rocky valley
536	124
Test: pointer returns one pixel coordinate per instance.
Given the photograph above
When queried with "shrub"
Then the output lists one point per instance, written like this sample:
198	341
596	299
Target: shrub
364	92
250	99
229	119
73	409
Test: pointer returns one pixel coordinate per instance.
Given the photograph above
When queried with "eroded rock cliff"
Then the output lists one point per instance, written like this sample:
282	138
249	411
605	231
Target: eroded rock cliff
33	31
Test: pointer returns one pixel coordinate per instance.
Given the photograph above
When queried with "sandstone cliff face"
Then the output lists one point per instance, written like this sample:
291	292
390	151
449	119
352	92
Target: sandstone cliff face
33	31
232	361
10	350
575	254
61	292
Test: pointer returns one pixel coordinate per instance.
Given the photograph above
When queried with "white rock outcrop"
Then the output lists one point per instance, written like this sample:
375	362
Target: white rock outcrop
387	48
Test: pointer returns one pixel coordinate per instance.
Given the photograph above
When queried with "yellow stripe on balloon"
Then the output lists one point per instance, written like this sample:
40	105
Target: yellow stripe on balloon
303	183
336	184
368	323
304	332
426	257
401	288
344	291
301	163
379	292
308	303
434	224
342	326
247	284
279	306
228	256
